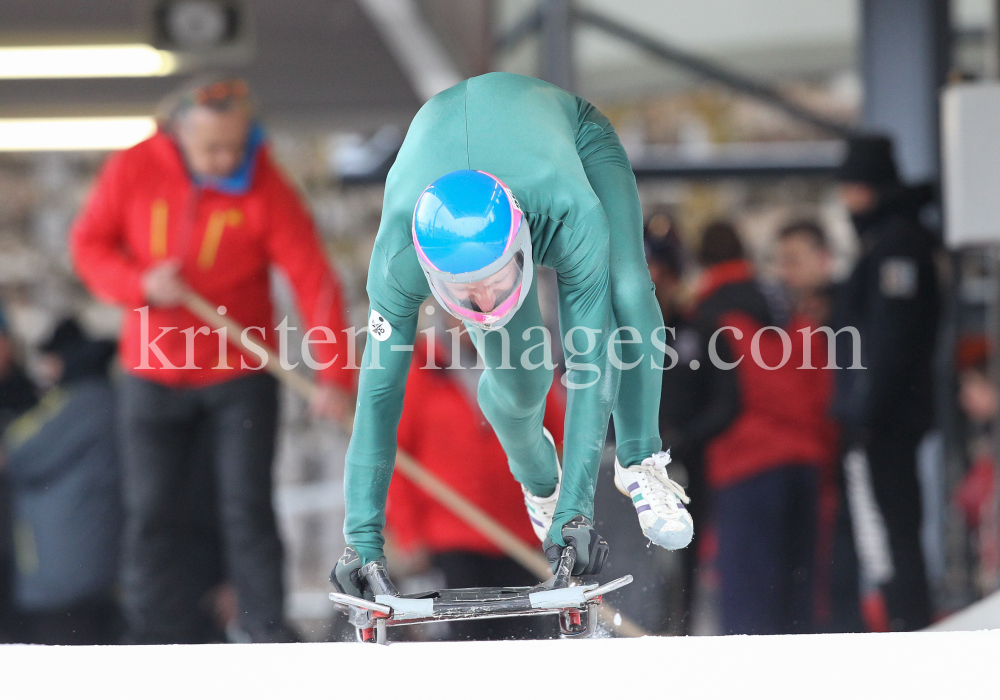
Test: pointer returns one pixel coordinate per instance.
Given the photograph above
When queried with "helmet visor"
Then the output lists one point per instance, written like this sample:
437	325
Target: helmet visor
488	300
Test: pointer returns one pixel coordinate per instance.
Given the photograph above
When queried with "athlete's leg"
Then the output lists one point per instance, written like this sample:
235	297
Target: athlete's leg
637	413
513	398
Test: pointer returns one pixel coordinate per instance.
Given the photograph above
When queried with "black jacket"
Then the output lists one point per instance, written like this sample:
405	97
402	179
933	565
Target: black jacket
718	402
62	461
892	298
685	394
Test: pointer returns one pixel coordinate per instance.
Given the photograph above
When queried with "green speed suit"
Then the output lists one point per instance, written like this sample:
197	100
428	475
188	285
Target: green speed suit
563	161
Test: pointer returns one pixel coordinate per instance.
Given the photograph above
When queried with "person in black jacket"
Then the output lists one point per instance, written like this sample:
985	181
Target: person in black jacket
892	299
684	394
17	395
62	462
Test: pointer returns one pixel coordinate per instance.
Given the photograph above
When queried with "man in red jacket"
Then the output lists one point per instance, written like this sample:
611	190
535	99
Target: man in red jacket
763	467
201	207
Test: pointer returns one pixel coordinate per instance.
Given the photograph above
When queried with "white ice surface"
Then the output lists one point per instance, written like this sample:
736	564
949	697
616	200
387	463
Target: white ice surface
983	615
954	665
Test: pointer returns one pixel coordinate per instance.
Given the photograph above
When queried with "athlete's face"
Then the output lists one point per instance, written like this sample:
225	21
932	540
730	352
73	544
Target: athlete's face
486	295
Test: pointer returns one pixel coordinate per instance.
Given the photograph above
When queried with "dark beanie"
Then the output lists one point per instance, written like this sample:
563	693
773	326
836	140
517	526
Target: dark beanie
662	243
720	243
82	357
869	160
67	334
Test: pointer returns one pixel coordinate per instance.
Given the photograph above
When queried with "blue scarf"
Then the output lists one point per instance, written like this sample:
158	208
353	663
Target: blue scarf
240	181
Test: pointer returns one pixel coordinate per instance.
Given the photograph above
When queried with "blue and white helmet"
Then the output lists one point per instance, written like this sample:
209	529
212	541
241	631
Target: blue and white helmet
473	243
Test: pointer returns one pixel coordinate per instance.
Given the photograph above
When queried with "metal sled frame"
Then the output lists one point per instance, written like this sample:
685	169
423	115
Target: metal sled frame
574	602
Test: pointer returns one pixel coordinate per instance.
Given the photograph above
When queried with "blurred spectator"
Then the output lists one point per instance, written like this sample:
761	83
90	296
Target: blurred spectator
62	461
201	207
805	267
892	299
763	467
977	392
443	428
17	395
805	270
976	496
686	422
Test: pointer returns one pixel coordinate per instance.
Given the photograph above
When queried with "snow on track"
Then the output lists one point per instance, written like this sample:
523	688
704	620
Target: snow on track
918	665
984	614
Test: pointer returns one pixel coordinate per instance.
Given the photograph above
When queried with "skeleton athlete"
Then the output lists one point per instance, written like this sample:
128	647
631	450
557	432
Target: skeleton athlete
498	174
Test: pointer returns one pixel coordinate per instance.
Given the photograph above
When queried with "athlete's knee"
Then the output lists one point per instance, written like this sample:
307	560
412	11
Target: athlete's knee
516	392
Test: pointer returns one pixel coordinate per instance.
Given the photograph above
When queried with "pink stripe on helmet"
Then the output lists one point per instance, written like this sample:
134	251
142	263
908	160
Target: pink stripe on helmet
420	254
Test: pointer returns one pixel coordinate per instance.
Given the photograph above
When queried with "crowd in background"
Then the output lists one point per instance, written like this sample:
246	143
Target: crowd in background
763	444
137	507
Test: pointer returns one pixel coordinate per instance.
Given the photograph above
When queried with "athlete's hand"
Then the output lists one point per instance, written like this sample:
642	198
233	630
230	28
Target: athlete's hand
591	549
346	575
331	402
367	581
162	284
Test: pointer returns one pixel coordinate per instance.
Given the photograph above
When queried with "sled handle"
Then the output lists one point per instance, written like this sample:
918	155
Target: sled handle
564	569
608	587
351	601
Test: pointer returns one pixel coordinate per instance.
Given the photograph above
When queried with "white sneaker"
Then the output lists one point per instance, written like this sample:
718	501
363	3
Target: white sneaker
541	510
658	500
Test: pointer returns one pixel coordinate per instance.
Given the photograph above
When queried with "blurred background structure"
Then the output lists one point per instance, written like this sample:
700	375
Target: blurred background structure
729	109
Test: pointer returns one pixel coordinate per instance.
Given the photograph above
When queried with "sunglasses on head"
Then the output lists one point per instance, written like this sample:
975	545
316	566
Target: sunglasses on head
221	92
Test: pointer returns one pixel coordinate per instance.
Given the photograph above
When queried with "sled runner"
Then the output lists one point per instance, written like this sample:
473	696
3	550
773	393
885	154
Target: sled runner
575	602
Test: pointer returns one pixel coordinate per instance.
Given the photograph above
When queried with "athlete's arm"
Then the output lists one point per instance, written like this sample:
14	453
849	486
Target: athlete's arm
382	385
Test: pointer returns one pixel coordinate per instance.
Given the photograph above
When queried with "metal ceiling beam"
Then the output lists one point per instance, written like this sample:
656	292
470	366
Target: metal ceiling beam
739	160
734	160
686	60
411	40
519	31
905	49
744	171
675	170
712	71
557	19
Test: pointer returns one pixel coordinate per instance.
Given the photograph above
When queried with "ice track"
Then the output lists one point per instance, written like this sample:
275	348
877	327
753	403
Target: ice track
918	665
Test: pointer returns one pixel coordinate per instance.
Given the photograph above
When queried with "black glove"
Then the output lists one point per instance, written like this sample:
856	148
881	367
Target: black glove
591	548
346	575
367	581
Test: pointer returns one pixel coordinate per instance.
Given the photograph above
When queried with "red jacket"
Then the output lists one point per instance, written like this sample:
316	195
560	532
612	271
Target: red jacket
783	415
145	209
445	431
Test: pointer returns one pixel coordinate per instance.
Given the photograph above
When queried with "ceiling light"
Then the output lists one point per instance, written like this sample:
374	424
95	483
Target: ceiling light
87	61
74	134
